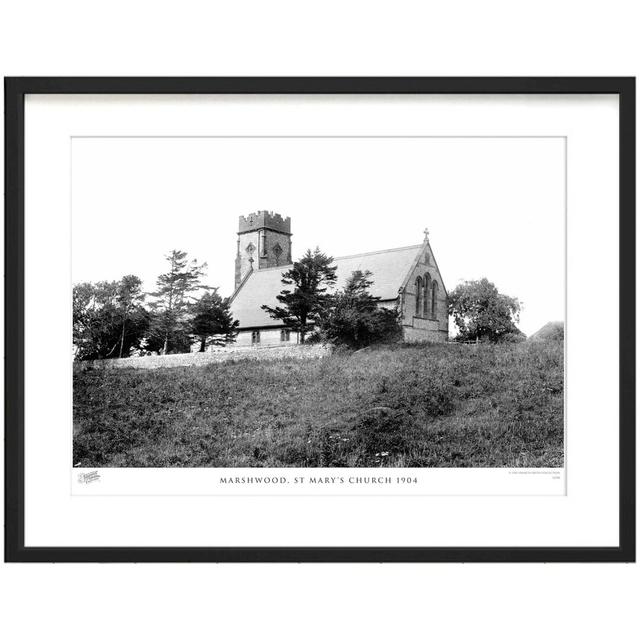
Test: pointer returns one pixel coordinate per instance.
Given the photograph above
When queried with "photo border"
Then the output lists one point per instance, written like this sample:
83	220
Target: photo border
15	91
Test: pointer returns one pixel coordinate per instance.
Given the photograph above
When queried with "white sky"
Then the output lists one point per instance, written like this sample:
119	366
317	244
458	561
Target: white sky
494	207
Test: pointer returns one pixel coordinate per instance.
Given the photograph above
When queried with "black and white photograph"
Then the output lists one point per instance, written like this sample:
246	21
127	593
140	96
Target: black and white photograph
319	301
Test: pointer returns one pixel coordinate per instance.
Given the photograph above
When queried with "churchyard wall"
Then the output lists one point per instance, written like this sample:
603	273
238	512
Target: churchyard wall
211	357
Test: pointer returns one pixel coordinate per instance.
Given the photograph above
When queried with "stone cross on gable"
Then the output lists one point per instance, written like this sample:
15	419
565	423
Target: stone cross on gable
426	234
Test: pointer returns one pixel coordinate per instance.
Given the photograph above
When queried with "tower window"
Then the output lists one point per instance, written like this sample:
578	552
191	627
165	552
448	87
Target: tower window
277	252
418	296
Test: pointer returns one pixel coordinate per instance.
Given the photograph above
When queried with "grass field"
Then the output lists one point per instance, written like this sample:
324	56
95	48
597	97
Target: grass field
408	406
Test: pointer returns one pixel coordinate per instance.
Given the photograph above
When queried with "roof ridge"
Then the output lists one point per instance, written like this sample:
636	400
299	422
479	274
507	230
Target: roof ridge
284	267
371	253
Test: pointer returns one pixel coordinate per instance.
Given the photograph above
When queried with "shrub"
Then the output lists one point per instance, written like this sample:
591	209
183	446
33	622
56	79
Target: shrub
352	318
513	336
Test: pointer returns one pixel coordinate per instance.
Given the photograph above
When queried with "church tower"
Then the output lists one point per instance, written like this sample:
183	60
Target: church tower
264	240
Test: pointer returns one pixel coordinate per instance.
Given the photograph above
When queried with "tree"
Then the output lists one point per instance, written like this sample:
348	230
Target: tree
481	312
129	296
173	296
108	318
352	318
310	277
82	321
212	321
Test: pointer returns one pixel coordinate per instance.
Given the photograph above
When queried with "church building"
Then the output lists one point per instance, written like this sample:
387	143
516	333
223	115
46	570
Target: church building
406	278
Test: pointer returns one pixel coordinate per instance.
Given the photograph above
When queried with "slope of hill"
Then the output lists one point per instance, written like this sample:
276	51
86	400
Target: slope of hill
550	331
406	406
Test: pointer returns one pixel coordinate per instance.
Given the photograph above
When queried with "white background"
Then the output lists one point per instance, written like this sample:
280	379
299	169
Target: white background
367	38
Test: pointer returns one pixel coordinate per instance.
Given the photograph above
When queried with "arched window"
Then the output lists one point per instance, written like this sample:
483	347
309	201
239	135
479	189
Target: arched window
418	296
277	252
427	295
434	299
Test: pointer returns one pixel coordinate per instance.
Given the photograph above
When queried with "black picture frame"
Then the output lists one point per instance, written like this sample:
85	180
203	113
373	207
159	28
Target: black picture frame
15	91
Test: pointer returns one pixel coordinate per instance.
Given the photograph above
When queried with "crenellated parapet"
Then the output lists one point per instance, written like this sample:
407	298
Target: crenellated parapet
264	220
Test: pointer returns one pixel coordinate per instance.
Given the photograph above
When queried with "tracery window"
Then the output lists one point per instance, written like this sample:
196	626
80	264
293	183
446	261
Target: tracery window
277	252
427	295
434	299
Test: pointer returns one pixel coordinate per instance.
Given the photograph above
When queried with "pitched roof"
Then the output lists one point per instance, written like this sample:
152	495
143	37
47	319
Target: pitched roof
388	268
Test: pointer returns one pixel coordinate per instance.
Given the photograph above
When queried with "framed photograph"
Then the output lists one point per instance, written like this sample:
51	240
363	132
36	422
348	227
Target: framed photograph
320	319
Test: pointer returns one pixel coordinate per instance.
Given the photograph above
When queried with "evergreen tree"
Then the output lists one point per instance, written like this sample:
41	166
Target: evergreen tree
310	278
212	321
352	317
129	297
173	297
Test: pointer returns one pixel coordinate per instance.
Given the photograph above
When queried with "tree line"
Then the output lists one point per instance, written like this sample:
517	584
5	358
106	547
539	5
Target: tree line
118	319
114	319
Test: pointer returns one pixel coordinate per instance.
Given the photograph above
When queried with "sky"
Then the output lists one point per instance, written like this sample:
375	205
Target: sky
494	207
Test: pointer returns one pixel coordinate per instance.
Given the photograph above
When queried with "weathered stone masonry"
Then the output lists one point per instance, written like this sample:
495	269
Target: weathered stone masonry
424	302
264	240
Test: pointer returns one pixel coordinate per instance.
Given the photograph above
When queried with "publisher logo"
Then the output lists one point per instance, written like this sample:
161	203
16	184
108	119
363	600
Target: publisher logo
87	478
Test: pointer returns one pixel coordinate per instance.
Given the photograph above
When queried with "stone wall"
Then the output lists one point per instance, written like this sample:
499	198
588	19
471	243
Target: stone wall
414	334
268	337
211	357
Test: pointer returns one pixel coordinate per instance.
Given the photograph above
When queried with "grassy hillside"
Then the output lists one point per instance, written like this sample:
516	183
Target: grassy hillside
408	406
